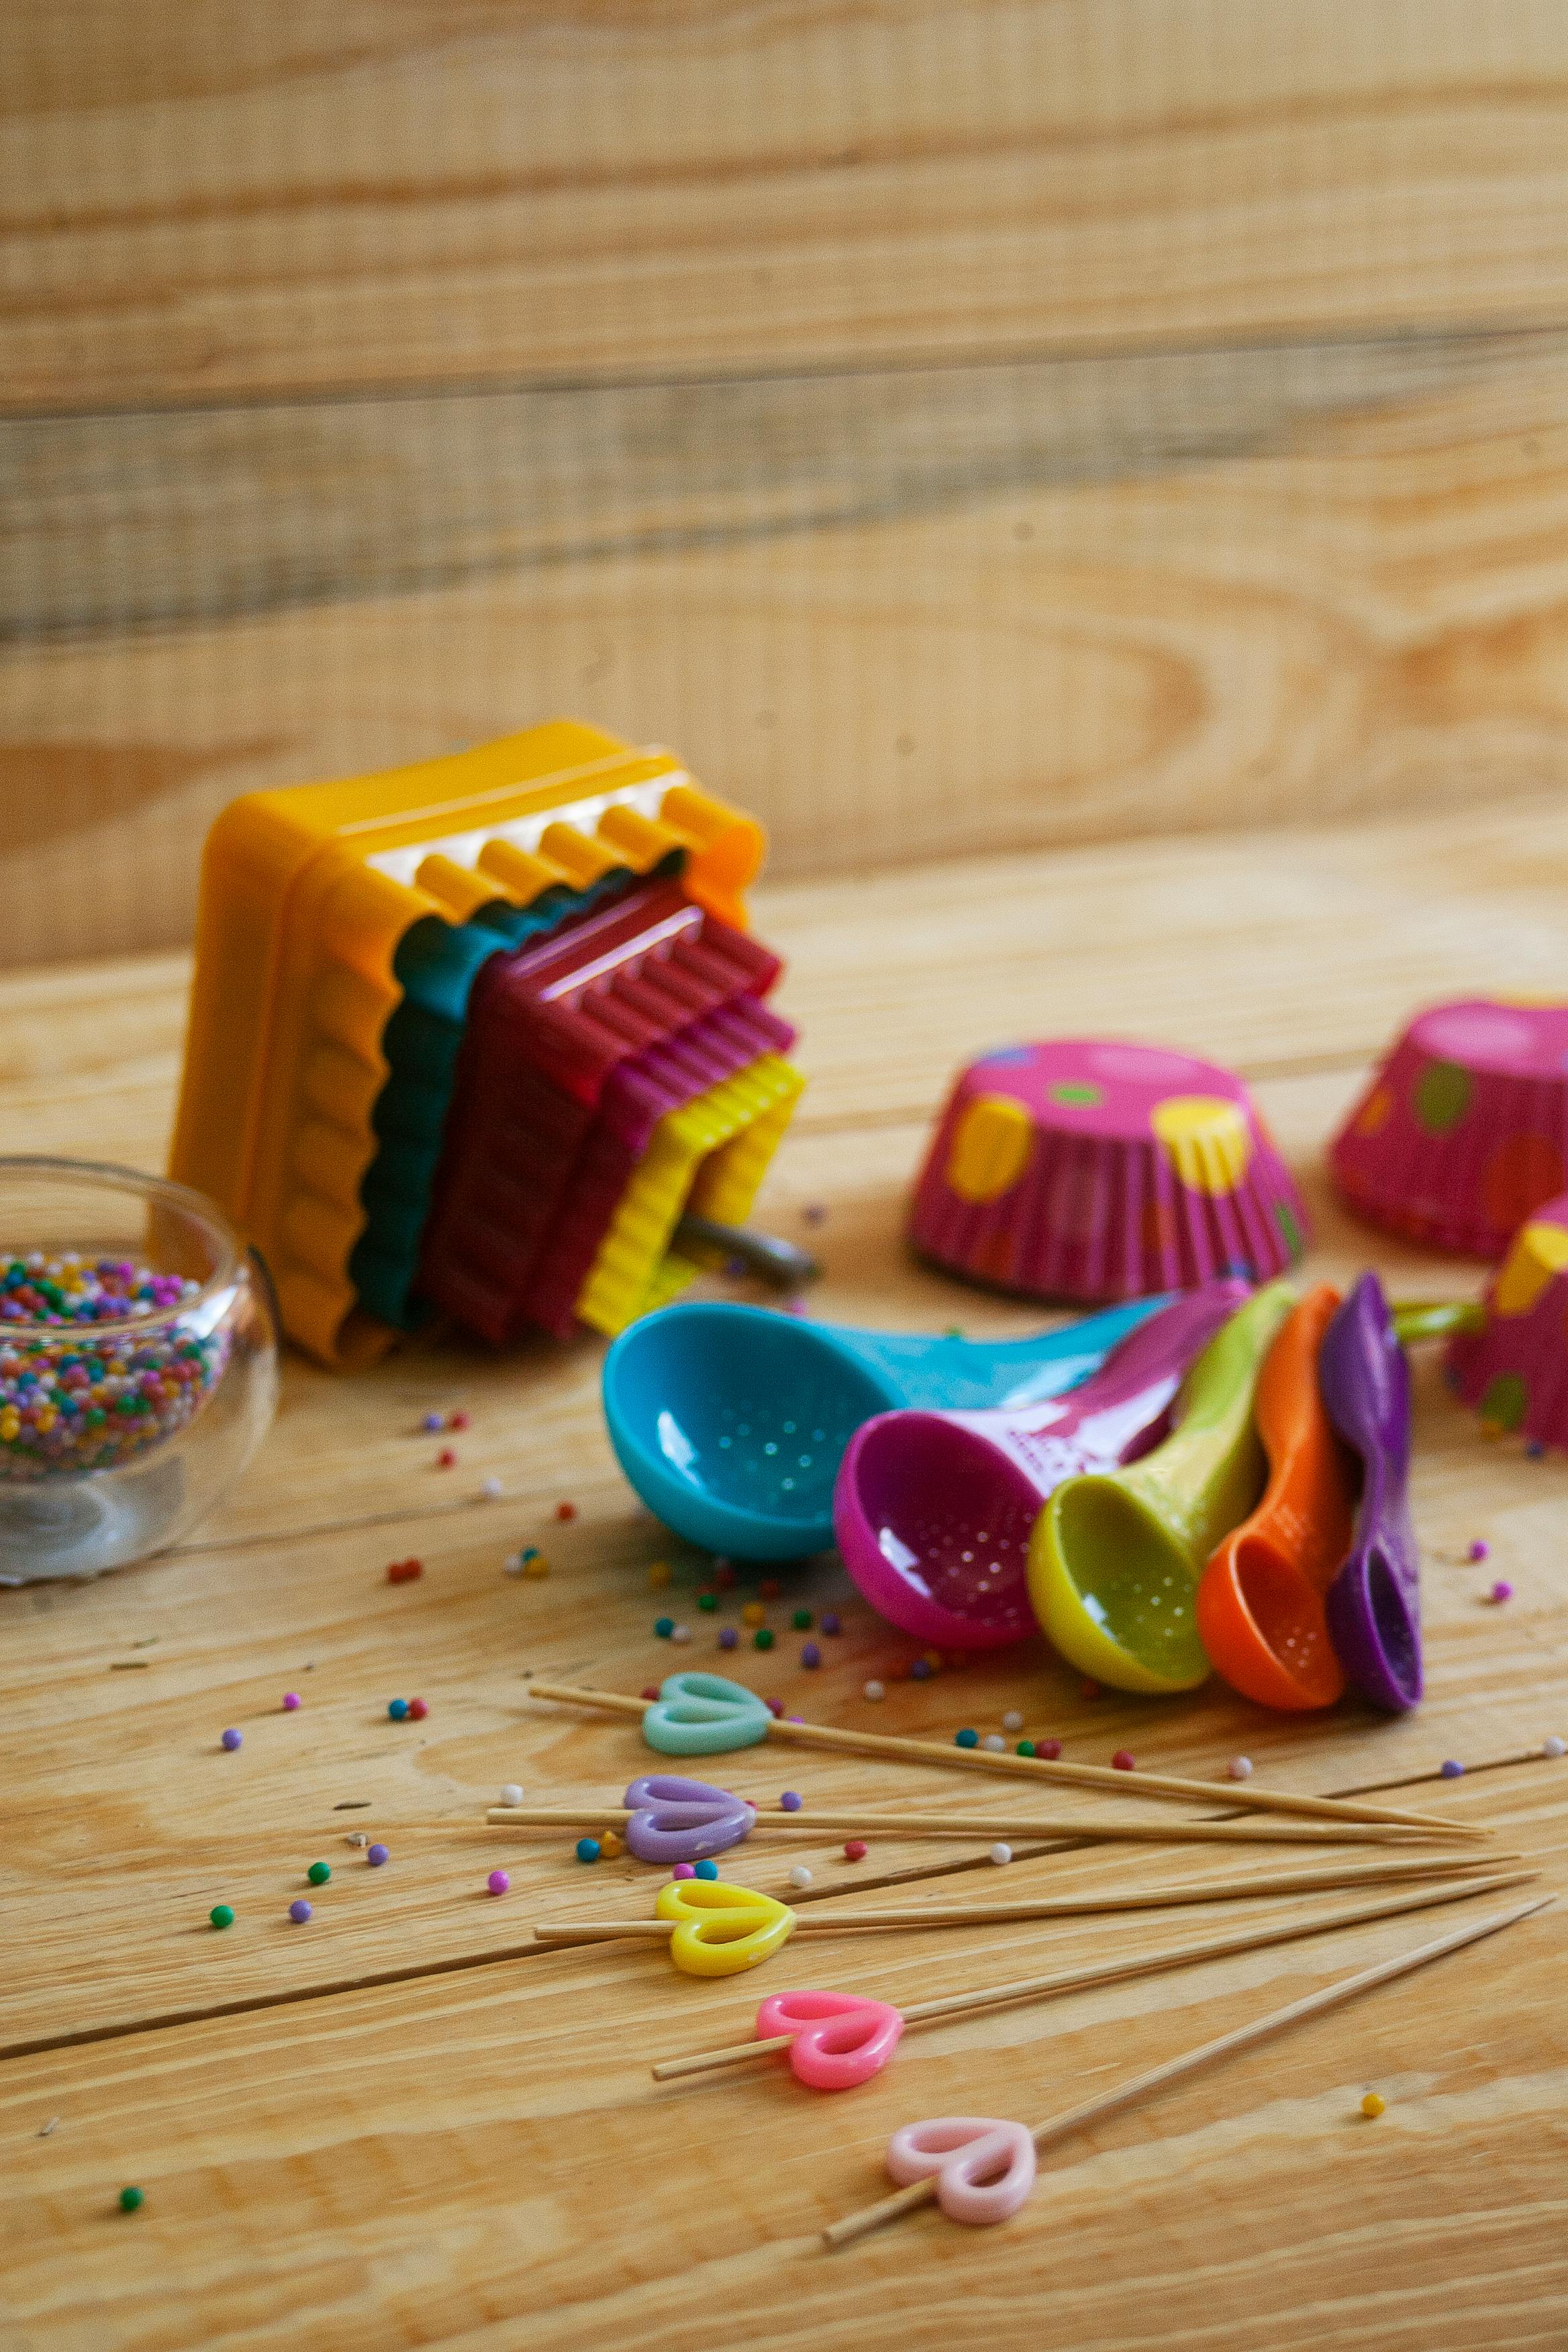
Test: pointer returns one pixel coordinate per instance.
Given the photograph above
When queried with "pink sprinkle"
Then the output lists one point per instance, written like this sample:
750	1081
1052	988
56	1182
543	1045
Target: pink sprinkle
1480	1549
1124	1760
774	1705
1502	1589
498	1881
290	1701
854	1849
1049	1749
650	1690
683	1869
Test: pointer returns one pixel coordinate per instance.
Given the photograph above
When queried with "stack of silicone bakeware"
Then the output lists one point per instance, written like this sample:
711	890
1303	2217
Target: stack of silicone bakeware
343	931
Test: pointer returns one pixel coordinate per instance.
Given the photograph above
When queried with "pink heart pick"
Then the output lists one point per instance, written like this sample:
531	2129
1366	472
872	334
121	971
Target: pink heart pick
984	2169
839	2039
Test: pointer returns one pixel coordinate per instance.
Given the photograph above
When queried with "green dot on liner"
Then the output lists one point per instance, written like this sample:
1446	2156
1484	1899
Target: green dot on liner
1442	1097
1075	1090
1505	1401
1289	1230
318	1872
221	1914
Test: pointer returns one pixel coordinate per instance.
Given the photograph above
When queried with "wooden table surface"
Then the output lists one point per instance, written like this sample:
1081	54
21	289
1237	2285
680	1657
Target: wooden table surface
405	2125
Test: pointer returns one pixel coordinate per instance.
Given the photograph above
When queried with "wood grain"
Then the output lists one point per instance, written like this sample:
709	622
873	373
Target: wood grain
900	617
339	195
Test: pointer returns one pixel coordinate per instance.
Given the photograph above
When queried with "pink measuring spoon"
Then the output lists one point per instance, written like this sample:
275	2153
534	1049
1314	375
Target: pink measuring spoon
934	1511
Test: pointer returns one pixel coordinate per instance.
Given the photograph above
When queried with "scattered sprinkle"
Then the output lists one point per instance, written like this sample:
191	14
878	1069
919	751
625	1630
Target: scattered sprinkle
1534	1451
815	1214
830	1623
490	1489
457	1421
774	1705
664	1627
417	1709
770	1588
588	1849
222	1914
810	1655
1049	1749
397	1708
510	1793
377	1856
1554	1747
1373	2107
231	1740
404	1572
763	1638
683	1869
966	1739
356	1838
1012	1720
724	1574
801	1621
292	1699
681	1632
130	2199
708	1602
658	1576
709	1870
1502	1589
318	1872
534	1562
1025	1747
854	1849
1239	1768
753	1614
921	1671
609	1845
650	1690
1000	1853
446	1459
564	1511
1453	1769
994	1743
1479	1549
790	1802
727	1637
952	1331
498	1881
873	1690
1124	1760
800	1875
431	1423
299	1911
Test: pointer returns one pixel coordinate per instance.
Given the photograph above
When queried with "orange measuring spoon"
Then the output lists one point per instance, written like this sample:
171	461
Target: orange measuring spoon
1260	1599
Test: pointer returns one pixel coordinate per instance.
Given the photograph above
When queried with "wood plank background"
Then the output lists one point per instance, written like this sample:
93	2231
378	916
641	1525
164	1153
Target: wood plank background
956	427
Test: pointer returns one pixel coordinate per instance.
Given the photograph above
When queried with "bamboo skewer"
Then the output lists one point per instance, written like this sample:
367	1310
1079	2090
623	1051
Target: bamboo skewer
1239	1796
1065	1980
1107	2103
949	1825
1063	1906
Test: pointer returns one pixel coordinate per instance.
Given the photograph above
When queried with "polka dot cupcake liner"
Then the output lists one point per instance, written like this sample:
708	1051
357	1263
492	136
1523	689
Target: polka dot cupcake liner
1514	1373
1462	1132
1089	1169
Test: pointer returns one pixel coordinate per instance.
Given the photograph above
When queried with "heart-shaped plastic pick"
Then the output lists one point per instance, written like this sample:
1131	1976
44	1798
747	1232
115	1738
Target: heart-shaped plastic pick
839	2039
720	1930
703	1714
984	2169
674	1819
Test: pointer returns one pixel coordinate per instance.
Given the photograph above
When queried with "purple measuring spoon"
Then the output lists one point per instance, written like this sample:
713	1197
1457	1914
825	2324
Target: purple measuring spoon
1374	1604
934	1511
675	1820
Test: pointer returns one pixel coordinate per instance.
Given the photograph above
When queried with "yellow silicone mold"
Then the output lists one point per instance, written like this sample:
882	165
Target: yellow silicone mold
305	896
709	1156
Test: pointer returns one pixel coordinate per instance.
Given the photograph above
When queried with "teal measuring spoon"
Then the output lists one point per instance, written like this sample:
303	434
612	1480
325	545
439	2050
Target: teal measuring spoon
731	1421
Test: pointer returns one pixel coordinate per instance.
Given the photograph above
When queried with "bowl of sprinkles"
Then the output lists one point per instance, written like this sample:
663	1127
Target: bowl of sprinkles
138	1364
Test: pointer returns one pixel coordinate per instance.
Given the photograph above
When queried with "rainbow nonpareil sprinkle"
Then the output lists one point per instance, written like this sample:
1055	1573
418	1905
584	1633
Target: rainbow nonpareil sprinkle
81	1388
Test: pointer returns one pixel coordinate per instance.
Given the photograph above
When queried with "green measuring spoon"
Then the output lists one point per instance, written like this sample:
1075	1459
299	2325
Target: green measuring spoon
1115	1558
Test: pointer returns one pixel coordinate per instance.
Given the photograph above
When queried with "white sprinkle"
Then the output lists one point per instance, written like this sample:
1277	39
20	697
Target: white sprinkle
994	1743
1240	1768
1554	1747
681	1632
1001	1853
512	1563
800	1875
356	1837
490	1490
873	1690
1012	1720
512	1794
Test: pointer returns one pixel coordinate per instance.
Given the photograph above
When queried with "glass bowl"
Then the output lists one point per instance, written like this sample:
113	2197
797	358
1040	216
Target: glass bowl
138	1364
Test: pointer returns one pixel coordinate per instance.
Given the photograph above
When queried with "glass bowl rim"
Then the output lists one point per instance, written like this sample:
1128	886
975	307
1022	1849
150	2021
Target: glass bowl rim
105	1175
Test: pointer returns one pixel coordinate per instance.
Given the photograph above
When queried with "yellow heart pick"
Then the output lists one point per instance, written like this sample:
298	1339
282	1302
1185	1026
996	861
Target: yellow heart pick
720	1930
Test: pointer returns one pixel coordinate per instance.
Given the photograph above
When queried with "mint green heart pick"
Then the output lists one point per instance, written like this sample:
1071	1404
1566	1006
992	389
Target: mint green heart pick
703	1714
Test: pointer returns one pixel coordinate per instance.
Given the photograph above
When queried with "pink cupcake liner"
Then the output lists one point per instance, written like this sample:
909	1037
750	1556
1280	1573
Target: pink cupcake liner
1462	1132
1514	1373
1089	1169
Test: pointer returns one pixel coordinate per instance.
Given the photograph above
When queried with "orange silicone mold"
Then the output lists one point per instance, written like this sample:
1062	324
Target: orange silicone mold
305	896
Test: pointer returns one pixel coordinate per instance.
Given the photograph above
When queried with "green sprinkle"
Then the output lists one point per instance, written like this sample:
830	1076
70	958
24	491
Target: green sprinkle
1026	1747
707	1600
801	1620
763	1639
130	2199
318	1872
221	1916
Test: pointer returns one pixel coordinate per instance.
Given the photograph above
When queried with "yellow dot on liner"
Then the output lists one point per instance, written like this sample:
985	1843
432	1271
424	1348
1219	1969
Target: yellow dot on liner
990	1147
1372	2106
1207	1141
658	1575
